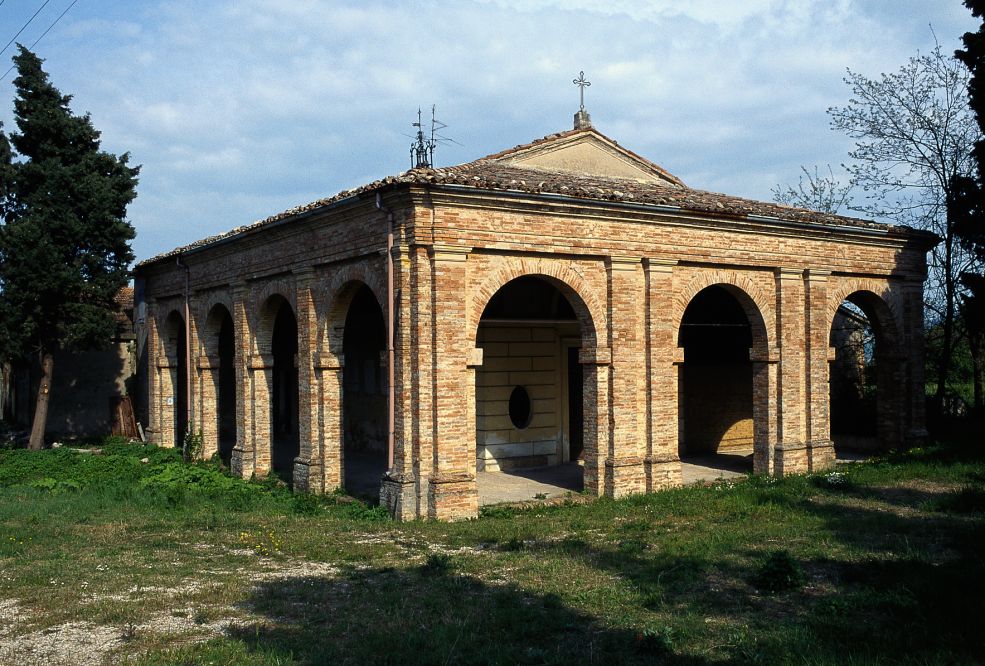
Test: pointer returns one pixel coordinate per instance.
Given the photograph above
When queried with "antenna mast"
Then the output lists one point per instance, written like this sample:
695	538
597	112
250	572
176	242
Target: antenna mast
422	150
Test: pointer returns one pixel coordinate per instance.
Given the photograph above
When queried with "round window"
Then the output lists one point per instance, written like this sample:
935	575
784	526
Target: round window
520	411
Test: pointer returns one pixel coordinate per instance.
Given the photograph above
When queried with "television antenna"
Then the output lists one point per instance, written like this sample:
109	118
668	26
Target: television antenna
422	149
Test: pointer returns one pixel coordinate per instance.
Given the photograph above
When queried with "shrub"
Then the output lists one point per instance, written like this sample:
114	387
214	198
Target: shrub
779	572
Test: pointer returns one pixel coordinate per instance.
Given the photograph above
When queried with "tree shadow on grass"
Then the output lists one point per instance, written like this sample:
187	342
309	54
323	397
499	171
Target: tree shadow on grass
430	615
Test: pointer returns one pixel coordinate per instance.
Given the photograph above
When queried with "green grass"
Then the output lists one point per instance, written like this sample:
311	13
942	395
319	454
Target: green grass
882	564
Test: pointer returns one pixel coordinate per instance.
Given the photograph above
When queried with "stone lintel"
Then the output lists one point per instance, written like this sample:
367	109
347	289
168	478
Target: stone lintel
597	356
474	357
454	253
784	273
660	265
207	361
261	361
771	356
329	361
624	263
678	358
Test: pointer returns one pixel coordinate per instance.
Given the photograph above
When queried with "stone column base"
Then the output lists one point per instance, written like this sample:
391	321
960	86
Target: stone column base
241	463
662	472
398	493
308	476
822	455
453	496
624	476
791	458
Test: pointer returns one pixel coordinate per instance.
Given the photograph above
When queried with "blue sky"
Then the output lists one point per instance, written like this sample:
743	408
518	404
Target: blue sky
240	109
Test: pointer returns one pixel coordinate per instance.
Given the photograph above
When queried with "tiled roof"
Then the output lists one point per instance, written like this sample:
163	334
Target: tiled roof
494	173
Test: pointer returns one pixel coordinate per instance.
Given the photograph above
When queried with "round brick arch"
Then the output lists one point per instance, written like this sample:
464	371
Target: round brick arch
266	304
754	300
876	298
336	294
560	274
210	315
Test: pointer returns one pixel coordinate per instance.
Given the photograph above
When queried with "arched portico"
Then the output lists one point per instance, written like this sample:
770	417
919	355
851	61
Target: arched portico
537	387
726	381
867	374
172	379
217	383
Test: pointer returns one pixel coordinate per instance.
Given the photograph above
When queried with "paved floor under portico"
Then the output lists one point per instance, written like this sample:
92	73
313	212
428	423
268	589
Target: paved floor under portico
557	481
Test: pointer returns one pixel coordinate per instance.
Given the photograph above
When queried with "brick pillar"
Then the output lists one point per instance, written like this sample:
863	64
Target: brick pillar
399	490
913	344
243	461
820	448
206	418
764	410
625	474
662	463
329	431
167	381
308	466
261	369
791	447
421	425
152	351
595	364
452	491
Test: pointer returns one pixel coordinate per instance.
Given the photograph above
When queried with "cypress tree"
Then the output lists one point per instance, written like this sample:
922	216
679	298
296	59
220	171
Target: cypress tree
65	241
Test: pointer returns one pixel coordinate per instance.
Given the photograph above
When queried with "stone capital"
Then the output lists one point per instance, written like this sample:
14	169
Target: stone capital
474	357
451	253
261	361
617	263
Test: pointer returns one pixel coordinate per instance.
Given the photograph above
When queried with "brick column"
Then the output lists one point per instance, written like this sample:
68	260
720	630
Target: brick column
167	380
913	343
791	447
261	369
243	461
820	448
308	466
625	474
662	463
206	421
764	410
399	489
329	428
452	491
595	364
421	380
152	350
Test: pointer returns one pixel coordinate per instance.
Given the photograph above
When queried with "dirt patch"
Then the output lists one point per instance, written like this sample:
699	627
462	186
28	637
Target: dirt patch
70	643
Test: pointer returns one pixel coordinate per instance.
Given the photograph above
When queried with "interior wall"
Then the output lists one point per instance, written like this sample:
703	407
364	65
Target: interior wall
531	356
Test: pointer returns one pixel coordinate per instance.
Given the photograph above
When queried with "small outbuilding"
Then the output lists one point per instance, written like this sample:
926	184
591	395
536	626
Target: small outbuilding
562	302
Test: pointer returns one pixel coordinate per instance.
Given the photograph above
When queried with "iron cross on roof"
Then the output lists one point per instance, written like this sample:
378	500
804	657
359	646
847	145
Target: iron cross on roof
582	83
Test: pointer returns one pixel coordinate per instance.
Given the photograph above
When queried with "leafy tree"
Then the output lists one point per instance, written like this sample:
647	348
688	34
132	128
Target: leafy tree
914	134
816	192
65	240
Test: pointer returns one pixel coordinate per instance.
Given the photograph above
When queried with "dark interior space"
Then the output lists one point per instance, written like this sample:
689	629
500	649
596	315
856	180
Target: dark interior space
226	389
284	395
716	391
364	399
854	380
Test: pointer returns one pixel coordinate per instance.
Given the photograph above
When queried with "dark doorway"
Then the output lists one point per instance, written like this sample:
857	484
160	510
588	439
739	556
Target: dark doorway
226	389
284	394
716	391
861	386
365	396
576	407
178	345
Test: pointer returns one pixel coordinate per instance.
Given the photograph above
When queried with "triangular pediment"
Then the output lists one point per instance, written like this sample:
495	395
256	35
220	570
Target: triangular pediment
585	152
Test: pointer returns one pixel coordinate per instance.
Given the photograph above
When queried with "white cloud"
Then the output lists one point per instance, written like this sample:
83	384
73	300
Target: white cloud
241	108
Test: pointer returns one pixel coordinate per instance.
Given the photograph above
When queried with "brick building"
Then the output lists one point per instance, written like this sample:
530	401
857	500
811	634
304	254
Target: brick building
563	300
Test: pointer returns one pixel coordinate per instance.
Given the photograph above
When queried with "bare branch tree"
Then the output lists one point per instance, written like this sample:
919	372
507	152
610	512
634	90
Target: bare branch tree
821	193
914	133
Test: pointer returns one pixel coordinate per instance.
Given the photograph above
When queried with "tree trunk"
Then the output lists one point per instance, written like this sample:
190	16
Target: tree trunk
36	442
950	294
975	343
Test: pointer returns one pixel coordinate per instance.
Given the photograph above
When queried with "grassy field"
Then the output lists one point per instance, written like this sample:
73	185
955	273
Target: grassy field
128	553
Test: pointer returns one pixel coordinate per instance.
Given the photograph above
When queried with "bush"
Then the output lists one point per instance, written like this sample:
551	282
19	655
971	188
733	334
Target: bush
779	572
